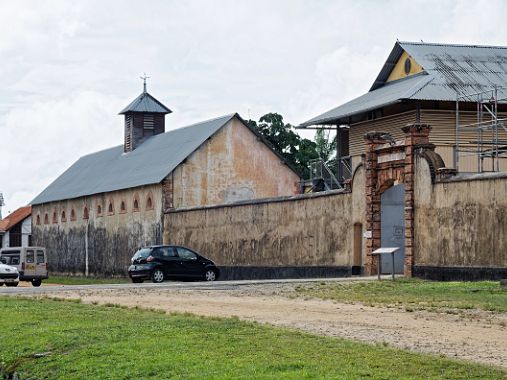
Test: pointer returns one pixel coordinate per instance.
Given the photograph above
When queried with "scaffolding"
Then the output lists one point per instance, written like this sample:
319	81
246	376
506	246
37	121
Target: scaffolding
486	142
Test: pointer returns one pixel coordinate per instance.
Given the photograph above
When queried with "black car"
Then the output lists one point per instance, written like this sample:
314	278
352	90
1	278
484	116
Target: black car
161	262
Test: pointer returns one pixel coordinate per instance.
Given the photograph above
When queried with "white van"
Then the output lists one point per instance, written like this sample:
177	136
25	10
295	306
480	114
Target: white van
31	263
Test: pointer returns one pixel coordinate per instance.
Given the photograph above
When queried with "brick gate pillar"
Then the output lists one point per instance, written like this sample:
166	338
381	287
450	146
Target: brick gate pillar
416	137
372	140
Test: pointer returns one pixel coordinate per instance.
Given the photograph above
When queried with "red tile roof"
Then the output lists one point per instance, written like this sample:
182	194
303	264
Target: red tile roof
15	217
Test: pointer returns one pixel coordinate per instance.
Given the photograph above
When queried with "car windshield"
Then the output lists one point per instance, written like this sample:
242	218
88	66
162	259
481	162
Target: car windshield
142	253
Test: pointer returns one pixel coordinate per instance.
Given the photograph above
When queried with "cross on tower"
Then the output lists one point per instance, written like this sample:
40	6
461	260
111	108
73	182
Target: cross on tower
144	77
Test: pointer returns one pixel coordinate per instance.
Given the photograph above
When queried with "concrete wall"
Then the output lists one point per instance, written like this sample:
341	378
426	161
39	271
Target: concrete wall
108	240
292	236
460	225
233	165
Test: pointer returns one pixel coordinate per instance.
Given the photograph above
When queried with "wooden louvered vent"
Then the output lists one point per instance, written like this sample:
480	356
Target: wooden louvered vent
128	133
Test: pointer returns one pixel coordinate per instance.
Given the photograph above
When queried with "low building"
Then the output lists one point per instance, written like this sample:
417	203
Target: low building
16	228
95	215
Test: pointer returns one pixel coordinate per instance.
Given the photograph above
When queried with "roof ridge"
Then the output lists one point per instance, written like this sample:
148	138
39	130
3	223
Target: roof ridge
451	44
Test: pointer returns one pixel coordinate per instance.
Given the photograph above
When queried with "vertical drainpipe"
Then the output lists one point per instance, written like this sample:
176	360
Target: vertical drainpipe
86	248
339	153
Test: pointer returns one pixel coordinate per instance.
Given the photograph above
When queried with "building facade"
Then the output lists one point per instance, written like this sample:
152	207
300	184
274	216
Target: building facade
108	204
16	228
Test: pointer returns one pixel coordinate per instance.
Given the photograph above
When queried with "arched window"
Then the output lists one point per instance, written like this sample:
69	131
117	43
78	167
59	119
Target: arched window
46	218
136	203
123	207
55	217
110	207
149	203
63	218
85	212
37	221
72	215
99	210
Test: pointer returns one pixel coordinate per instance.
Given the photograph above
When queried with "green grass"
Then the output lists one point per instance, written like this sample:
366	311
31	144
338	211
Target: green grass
79	341
413	294
77	280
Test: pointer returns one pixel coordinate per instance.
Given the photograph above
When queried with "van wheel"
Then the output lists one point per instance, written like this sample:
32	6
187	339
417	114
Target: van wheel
157	275
11	284
36	283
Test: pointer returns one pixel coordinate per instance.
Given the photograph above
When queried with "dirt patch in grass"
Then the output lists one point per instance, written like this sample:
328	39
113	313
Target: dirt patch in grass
471	334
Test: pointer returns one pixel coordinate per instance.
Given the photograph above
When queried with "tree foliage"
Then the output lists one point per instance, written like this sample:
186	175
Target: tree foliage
296	150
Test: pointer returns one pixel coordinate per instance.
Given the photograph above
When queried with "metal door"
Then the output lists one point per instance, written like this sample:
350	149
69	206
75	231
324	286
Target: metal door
392	225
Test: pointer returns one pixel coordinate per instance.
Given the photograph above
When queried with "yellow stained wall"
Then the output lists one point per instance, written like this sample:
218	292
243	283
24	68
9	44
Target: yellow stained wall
399	69
232	165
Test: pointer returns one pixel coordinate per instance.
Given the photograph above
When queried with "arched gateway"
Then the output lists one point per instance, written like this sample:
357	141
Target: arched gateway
390	194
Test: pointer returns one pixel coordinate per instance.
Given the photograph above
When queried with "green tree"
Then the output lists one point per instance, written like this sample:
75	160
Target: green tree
326	146
296	150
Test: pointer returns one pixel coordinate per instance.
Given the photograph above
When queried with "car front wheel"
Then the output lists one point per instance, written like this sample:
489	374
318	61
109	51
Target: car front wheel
157	276
210	275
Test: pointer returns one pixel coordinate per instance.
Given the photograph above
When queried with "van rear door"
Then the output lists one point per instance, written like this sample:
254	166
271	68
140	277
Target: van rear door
30	265
41	269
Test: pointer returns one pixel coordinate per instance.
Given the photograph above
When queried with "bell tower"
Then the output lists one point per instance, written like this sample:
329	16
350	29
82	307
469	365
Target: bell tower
144	118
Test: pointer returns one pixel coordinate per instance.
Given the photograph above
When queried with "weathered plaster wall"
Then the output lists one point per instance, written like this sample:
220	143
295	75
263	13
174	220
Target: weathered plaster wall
460	223
304	230
110	238
232	165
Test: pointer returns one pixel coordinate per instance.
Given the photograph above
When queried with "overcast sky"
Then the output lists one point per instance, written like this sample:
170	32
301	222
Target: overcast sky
69	67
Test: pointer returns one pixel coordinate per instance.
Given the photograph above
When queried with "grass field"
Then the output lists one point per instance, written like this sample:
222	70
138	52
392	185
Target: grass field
413	294
63	280
51	339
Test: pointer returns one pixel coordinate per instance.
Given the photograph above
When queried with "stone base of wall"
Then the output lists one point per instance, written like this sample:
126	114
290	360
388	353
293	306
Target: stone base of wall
459	273
282	272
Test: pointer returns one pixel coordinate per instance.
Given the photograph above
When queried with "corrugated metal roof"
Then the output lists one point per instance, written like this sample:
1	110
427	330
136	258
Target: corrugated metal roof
111	169
450	70
146	103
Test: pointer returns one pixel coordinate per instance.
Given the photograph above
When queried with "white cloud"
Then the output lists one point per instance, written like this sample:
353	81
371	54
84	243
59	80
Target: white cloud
69	67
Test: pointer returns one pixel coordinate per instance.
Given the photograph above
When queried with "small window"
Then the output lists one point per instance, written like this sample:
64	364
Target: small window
149	204
55	217
99	210
85	213
169	252
110	208
63	217
72	215
123	207
136	204
46	218
40	257
37	221
30	256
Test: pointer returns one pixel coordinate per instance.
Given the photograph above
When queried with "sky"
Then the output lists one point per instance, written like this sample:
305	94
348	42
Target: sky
69	67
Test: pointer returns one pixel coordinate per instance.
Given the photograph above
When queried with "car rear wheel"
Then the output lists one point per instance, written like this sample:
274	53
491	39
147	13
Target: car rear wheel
210	275
36	283
157	275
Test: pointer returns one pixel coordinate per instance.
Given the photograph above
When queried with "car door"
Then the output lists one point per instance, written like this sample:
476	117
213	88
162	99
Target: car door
170	261
190	264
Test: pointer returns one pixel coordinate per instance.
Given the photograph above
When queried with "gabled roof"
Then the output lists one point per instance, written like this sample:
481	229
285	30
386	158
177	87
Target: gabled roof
14	218
146	103
112	169
448	70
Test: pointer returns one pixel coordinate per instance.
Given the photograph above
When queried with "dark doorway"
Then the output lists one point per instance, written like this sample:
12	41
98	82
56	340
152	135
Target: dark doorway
358	249
392	225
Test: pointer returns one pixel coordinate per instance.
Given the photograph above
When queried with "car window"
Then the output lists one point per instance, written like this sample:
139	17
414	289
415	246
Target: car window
12	259
30	256
168	252
157	252
40	257
142	253
185	254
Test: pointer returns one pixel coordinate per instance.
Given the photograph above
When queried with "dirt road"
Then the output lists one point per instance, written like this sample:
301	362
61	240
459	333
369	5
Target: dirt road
472	335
